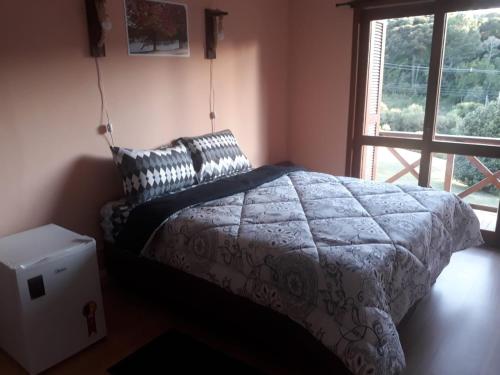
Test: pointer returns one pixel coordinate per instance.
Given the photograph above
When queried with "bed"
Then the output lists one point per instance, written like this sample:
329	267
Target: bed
343	258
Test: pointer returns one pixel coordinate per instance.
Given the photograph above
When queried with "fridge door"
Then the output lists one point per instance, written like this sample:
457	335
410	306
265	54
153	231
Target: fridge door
62	306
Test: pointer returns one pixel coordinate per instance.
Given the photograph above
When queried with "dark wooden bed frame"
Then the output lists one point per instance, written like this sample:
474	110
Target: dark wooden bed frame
209	304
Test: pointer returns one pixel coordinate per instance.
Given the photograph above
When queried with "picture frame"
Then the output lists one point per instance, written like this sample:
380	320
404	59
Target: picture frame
157	28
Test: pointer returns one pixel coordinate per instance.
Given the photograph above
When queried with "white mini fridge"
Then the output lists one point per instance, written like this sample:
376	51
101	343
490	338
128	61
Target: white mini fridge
50	296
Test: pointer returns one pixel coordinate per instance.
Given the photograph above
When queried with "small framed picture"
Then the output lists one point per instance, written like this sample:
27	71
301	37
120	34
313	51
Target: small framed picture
157	28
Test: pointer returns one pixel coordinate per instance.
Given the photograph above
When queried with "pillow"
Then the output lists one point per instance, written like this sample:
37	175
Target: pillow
216	155
147	174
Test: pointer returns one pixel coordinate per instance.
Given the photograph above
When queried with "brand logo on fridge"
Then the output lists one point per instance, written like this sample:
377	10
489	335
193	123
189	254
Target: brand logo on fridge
60	270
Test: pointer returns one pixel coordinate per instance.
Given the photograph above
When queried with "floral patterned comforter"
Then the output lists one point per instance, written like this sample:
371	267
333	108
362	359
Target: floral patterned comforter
344	258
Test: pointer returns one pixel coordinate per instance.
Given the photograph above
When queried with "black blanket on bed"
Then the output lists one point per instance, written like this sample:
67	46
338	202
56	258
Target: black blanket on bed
147	217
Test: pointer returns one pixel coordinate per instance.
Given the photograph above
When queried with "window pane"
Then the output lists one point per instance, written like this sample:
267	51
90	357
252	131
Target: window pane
386	164
399	58
475	179
470	85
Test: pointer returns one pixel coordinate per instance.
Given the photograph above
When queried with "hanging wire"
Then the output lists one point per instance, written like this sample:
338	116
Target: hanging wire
104	110
212	96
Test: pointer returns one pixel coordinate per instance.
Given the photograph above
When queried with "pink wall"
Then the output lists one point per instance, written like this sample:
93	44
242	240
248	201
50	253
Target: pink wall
54	167
320	65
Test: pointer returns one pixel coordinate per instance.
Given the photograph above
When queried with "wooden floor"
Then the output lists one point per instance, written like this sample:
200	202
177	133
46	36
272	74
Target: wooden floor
454	330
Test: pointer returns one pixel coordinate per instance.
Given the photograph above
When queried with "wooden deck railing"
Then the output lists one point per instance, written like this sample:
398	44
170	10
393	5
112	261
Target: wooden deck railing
490	178
444	137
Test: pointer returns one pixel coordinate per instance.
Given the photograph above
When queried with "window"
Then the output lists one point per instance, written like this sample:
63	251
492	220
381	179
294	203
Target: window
426	107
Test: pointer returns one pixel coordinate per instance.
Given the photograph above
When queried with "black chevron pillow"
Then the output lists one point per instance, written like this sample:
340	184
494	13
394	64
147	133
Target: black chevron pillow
216	155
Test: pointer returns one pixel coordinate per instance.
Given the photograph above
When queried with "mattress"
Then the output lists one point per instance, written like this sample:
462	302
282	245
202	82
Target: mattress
342	257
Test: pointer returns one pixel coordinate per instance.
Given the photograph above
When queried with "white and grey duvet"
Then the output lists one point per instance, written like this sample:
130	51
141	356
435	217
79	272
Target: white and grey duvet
344	258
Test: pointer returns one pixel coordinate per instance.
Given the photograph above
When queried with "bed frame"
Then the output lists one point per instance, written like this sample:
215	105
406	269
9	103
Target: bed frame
211	305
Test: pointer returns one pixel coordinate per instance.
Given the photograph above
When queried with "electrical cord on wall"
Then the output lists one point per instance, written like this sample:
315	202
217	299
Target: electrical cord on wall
212	96
104	110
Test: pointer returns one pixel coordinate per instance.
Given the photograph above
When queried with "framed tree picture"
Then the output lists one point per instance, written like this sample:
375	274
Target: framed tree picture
157	28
